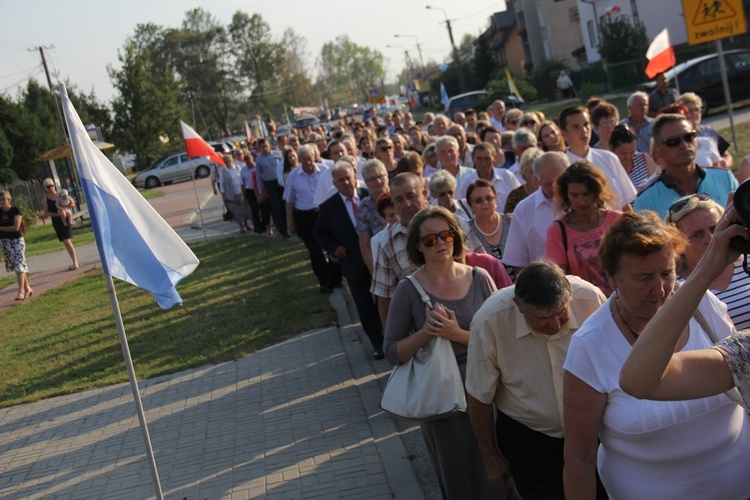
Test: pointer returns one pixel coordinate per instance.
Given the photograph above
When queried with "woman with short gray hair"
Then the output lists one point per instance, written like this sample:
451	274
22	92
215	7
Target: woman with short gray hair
442	189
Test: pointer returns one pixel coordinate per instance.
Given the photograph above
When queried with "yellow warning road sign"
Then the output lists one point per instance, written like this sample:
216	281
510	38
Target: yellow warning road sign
709	20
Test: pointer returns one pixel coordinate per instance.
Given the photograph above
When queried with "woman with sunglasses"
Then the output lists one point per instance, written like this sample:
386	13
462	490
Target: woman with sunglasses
13	244
639	166
648	449
583	196
49	209
696	216
434	241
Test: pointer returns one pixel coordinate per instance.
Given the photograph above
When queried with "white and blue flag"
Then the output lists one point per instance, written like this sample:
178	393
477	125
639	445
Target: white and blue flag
135	244
444	96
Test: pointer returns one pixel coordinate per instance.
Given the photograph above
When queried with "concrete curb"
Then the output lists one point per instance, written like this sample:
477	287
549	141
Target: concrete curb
189	218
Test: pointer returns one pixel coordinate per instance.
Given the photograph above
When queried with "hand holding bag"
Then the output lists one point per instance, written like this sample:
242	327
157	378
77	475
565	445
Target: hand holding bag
429	385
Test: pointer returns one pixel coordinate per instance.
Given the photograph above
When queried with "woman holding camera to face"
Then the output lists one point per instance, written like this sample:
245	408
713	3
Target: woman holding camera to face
653	370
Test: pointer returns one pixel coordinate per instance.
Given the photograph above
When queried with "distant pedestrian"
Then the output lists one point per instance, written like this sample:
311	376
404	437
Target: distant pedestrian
49	209
565	84
13	244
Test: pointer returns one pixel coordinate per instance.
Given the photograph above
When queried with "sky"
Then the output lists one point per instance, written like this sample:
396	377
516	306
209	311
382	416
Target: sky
84	36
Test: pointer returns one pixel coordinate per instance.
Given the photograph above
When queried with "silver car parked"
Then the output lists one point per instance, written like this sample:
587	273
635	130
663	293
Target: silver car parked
171	168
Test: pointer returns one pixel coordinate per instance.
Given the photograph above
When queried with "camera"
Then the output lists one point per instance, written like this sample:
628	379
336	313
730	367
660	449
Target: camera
741	204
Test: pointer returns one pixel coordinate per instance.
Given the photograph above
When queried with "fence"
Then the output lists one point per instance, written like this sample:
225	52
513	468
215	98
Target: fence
31	192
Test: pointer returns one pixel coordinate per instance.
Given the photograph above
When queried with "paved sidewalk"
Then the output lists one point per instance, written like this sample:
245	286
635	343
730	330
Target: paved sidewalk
296	420
292	421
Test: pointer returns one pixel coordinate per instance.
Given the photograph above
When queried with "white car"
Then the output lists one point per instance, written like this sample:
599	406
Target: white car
171	168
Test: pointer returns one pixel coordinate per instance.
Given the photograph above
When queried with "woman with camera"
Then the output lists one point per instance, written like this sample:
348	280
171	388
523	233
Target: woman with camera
655	371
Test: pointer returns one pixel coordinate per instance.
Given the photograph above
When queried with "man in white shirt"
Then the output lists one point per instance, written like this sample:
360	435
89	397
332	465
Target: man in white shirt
497	112
464	148
502	180
527	238
447	152
576	130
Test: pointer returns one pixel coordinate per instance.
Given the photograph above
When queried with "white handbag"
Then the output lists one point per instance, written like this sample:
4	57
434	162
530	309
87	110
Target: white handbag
427	386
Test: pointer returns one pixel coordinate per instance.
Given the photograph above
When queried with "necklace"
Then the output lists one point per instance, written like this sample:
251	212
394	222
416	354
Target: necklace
497	228
634	334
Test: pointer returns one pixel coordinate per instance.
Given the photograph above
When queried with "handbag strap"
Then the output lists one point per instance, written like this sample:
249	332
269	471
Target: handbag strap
704	324
422	294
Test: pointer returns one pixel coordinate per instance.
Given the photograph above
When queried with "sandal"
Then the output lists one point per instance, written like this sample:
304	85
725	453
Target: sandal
21	296
29	293
73	267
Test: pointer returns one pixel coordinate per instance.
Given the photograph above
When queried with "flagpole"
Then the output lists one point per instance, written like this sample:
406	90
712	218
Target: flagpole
134	387
197	200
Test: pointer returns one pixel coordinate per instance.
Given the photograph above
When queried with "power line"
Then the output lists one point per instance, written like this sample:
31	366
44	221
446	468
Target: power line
25	78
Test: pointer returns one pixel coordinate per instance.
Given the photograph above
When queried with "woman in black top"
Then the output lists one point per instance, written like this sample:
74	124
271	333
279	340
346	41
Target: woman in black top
13	244
64	233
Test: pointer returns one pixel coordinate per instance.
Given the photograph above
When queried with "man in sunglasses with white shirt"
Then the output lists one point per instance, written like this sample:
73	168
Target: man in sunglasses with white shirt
675	147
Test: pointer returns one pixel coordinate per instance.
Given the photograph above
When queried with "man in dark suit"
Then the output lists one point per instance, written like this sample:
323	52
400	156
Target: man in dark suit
336	233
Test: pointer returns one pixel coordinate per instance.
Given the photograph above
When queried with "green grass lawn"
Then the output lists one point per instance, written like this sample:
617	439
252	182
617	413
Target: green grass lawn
42	239
246	294
743	141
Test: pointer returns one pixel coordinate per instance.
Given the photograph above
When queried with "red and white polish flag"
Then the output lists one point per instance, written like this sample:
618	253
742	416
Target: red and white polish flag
196	146
660	55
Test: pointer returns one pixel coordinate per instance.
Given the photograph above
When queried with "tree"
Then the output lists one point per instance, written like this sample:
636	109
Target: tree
294	73
147	107
622	41
199	51
344	65
258	56
483	64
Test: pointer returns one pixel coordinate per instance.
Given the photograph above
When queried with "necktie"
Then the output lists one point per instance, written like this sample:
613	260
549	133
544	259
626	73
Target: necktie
355	208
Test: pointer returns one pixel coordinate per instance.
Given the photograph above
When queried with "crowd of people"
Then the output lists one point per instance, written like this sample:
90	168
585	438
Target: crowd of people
548	247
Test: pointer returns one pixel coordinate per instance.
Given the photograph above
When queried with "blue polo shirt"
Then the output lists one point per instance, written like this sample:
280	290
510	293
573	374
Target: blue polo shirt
658	194
265	165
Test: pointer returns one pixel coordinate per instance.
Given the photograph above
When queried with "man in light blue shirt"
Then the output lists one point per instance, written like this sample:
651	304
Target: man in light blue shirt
675	146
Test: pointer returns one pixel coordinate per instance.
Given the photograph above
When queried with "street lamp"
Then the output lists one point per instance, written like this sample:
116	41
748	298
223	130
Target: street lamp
416	42
456	57
408	59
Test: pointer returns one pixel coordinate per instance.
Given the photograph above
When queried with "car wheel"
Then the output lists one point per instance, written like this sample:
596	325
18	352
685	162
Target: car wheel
152	182
202	171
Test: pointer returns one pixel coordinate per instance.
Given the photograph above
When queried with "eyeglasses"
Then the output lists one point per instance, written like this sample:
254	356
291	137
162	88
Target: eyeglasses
482	200
679	208
673	142
513	122
385	149
376	178
529	123
49	186
430	240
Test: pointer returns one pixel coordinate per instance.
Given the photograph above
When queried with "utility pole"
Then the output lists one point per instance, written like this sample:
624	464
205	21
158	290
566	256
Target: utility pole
58	113
456	56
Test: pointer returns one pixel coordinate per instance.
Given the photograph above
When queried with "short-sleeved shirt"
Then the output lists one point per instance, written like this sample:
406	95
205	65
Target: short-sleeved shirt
266	166
369	221
610	165
658	194
527	239
520	370
736	352
658	99
391	264
8	219
300	187
579	251
502	180
643	133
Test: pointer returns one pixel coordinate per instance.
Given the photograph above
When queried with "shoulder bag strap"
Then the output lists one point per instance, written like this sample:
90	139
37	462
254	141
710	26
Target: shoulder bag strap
425	298
564	235
704	324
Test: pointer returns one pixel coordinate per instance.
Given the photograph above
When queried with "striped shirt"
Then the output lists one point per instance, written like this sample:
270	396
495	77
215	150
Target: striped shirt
639	175
737	297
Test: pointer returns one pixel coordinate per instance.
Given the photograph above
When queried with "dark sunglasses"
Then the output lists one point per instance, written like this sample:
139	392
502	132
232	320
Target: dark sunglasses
673	142
49	186
678	206
513	122
385	149
430	240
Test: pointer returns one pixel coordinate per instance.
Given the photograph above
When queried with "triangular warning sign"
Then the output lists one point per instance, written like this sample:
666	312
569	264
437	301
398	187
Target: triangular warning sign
710	11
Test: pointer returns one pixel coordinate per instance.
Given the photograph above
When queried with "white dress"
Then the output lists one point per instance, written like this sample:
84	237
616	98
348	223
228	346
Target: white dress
662	449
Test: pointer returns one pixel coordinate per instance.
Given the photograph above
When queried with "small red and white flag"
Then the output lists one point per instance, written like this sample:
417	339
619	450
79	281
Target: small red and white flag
196	146
660	55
